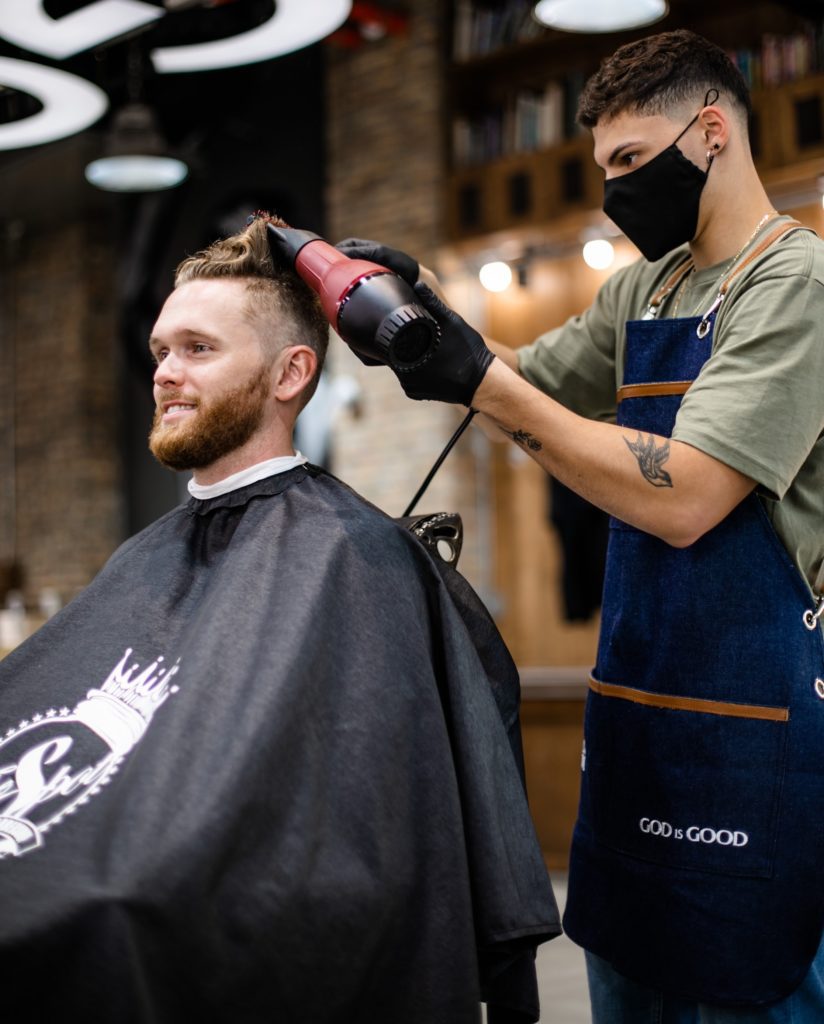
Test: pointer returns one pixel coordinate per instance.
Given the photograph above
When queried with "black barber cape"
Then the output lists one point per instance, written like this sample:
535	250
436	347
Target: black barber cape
260	770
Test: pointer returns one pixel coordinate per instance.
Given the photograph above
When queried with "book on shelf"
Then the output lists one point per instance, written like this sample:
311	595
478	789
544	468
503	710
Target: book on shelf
532	119
544	115
481	28
778	60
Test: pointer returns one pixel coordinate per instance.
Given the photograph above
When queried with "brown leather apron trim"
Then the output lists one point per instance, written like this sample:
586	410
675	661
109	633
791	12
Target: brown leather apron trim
708	707
667	387
782	229
681	271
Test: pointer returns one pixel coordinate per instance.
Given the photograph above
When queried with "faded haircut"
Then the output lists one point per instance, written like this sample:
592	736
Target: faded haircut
660	75
283	309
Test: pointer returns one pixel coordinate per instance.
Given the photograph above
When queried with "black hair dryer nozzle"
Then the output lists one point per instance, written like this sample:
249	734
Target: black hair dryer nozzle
375	312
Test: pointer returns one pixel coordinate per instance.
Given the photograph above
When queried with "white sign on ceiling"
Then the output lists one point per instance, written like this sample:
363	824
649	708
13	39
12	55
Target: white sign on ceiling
71	104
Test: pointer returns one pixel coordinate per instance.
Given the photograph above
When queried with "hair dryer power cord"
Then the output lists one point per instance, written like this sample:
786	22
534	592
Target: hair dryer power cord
450	444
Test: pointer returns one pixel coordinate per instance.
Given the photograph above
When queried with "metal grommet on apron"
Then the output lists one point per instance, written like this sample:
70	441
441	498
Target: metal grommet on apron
696	858
812	616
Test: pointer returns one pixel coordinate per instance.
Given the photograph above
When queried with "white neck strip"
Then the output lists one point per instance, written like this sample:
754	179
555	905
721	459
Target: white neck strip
247	476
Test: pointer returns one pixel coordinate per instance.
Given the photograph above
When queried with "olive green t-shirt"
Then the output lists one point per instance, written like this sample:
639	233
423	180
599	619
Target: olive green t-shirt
757	404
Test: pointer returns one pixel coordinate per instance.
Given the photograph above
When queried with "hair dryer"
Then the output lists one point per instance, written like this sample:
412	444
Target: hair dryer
375	312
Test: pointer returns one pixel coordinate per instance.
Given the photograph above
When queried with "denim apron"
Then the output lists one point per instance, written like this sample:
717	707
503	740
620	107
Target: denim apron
697	862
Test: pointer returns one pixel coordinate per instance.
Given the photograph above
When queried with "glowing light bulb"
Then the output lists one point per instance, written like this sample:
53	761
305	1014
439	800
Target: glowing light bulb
495	276
598	254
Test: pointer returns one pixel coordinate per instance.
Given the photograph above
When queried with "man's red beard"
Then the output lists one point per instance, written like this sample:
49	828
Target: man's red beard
214	429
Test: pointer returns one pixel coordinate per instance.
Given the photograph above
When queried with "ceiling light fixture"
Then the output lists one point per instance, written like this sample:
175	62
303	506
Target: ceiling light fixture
294	24
70	104
599	15
26	24
136	159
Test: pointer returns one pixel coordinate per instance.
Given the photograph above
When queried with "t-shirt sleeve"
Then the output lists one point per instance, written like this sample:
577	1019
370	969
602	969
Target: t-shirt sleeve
575	363
758	403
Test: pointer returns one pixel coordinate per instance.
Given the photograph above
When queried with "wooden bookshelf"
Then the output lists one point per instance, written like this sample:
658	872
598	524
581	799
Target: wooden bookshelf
516	156
524	189
796	113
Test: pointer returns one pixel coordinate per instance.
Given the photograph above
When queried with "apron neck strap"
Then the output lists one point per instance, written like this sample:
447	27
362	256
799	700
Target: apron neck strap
762	246
671	282
793	225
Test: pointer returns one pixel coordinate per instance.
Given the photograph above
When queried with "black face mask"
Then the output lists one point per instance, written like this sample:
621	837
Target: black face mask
656	206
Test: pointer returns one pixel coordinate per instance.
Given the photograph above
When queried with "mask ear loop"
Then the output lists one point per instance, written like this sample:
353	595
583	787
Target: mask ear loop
707	102
711	153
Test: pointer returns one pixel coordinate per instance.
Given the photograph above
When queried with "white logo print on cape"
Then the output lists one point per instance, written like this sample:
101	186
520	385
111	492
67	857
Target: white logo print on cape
42	778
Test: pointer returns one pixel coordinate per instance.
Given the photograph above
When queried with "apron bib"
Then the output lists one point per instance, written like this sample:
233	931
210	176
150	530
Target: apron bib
697	862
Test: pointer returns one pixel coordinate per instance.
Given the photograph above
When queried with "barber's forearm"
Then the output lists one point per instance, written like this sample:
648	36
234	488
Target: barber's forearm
663	487
507	355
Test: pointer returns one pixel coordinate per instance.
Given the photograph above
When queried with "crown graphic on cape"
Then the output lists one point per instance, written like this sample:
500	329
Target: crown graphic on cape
121	709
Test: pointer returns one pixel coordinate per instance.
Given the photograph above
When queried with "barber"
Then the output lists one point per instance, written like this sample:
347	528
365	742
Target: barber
688	403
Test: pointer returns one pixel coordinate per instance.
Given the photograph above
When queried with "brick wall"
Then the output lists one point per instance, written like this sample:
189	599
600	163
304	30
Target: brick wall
61	511
7	496
385	181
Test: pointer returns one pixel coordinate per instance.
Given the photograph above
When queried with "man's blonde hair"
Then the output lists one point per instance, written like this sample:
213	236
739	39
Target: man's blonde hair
283	309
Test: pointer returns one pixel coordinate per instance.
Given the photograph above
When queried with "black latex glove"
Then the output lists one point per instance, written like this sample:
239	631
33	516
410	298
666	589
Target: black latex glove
459	363
393	259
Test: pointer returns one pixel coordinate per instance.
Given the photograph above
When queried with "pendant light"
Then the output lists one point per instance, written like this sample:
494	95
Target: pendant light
137	157
599	15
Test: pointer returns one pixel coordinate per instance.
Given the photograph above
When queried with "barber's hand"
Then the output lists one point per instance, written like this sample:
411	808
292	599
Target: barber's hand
393	259
459	363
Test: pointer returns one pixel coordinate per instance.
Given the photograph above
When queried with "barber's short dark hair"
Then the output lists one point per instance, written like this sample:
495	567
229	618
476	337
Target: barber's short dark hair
660	73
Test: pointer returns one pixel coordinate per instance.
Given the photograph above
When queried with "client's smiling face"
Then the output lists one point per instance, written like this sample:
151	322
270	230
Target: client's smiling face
212	382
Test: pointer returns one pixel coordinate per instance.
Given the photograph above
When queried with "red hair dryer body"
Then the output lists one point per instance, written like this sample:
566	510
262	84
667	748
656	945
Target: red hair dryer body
375	312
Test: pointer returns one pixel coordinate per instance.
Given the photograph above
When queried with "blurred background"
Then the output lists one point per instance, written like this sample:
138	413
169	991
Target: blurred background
443	127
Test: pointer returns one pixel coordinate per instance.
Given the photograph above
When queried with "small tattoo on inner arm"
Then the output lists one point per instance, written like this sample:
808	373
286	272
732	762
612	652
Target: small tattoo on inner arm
524	438
651	458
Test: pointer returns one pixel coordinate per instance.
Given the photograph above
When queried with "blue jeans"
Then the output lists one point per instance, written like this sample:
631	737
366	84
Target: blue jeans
617	1000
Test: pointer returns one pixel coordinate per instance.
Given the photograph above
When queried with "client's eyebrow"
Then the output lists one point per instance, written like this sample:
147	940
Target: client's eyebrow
155	342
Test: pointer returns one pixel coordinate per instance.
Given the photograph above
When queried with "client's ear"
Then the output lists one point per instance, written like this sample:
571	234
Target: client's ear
295	368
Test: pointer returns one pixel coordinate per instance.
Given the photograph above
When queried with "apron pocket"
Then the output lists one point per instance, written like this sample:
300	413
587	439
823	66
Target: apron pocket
688	784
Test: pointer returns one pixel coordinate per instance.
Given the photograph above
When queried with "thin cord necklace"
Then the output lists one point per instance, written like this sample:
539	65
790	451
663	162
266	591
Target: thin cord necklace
767	216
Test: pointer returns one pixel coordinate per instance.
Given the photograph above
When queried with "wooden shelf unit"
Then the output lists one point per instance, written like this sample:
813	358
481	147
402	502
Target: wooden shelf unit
537	186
